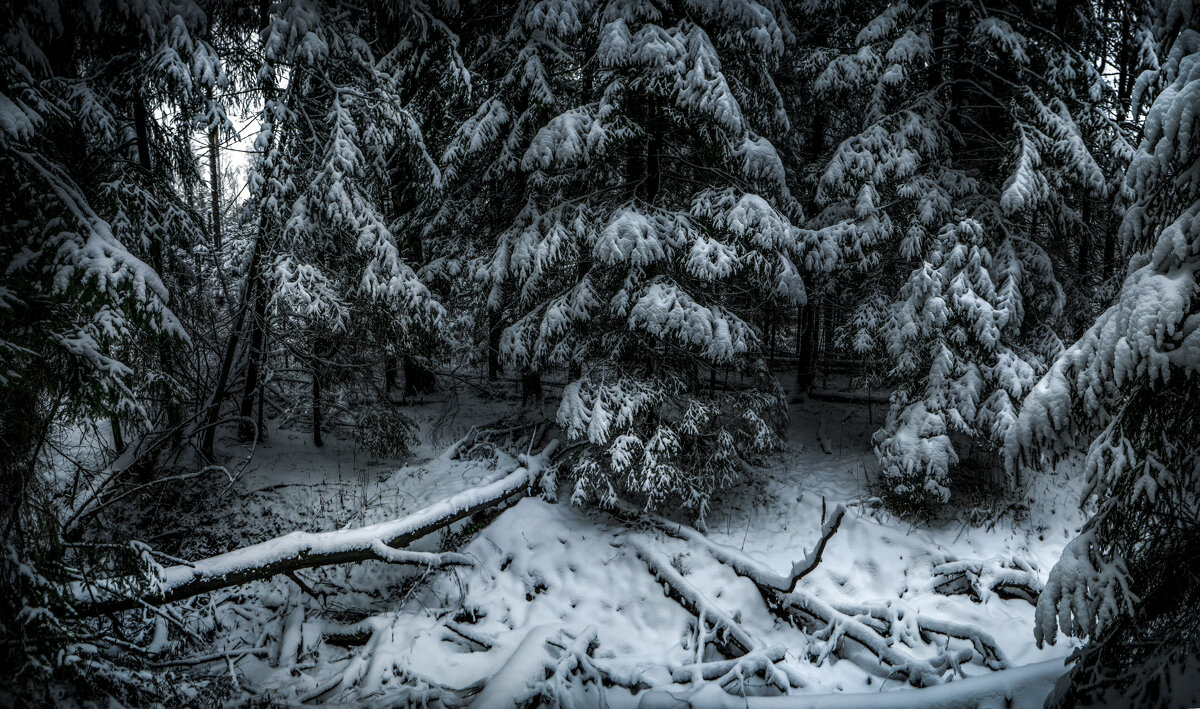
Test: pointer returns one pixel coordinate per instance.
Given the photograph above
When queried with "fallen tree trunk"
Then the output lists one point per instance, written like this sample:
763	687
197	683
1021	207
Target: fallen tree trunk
303	550
1029	683
745	566
882	630
727	636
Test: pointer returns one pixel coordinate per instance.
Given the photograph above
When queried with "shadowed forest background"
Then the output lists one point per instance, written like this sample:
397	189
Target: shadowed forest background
600	353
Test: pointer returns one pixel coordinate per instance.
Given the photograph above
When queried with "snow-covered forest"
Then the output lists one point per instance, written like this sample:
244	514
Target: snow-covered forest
600	353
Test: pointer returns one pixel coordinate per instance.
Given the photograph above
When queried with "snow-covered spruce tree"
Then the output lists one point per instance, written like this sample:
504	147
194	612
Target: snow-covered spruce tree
338	144
89	214
646	226
940	202
1127	391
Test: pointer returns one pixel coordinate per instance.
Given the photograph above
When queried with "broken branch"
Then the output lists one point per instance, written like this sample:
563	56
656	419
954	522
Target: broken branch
303	550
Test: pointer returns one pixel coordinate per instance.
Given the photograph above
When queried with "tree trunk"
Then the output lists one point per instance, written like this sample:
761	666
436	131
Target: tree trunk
418	379
937	38
806	365
117	439
141	129
1126	64
316	400
213	413
389	375
771	340
495	329
1083	266
531	387
262	393
248	432
214	178
962	34
653	169
306	550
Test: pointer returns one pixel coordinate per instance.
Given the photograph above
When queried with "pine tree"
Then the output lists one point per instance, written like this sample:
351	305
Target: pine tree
340	147
1126	390
646	225
90	218
940	204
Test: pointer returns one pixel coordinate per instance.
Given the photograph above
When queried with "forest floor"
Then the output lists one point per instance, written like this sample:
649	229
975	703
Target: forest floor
550	574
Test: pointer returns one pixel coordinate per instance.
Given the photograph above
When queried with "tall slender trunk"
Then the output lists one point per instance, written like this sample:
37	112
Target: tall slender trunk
248	432
316	399
937	38
653	170
141	129
807	346
1126	61
389	375
262	394
495	328
771	339
1083	266
213	411
960	72
214	179
117	439
418	379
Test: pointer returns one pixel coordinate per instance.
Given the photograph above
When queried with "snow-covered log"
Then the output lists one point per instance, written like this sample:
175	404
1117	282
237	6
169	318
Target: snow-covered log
875	628
982	578
518	680
1033	681
745	566
729	637
304	550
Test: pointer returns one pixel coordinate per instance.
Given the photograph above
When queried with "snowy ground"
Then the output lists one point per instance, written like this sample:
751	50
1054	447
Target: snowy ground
377	634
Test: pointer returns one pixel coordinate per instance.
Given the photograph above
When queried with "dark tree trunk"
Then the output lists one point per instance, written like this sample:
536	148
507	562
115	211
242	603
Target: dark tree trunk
316	401
1083	267
531	387
937	38
117	438
495	328
1126	63
962	33
213	411
214	178
389	375
262	394
418	379
247	431
653	170
1110	250
771	327
807	347
141	129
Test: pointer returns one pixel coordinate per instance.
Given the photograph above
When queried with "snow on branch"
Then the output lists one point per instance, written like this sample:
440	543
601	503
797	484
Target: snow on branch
983	578
730	637
884	630
745	566
304	550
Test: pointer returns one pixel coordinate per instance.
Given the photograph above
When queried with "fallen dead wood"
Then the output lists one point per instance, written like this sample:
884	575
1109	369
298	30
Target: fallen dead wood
745	566
728	636
1001	688
980	578
883	630
303	550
